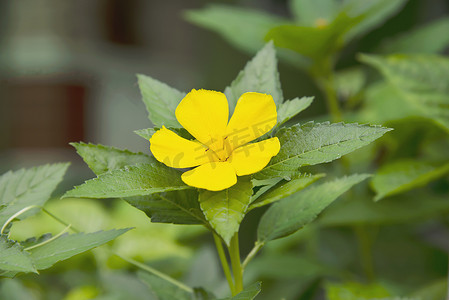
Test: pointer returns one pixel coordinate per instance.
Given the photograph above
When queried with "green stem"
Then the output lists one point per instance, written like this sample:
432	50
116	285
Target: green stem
224	263
366	255
60	221
234	253
249	257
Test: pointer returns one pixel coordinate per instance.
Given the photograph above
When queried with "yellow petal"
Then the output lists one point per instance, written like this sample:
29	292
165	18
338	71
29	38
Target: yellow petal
214	176
177	152
204	114
254	115
254	157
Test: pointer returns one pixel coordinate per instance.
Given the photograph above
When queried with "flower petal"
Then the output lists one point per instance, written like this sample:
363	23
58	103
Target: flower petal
205	114
254	157
214	176
177	152
254	115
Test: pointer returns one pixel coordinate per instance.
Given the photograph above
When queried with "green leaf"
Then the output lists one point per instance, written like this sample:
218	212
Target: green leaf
13	257
160	100
67	246
177	207
27	187
355	290
316	143
284	189
294	212
422	79
401	176
309	13
247	294
225	209
291	108
259	75
138	180
148	132
162	289
101	159
15	289
430	38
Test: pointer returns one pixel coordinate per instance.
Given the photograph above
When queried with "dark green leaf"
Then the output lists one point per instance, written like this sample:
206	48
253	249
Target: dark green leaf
225	209
13	257
294	212
160	100
291	108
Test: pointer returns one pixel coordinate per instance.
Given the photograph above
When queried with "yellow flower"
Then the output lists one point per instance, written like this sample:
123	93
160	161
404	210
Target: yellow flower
221	151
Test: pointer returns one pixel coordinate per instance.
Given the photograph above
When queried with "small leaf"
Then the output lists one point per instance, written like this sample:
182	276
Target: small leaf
13	258
138	180
148	132
312	144
160	100
294	212
259	75
291	108
67	246
310	13
404	175
27	187
225	209
101	159
247	294
284	189
162	289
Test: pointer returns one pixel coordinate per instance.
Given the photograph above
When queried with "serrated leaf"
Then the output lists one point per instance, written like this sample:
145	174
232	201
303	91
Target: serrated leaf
148	132
27	187
101	159
13	258
430	38
224	210
284	189
259	75
67	246
316	143
294	212
138	180
247	294
177	207
401	176
162	289
160	100
422	79
291	108
310	13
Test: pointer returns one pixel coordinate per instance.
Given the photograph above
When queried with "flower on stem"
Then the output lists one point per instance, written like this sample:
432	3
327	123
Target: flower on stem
222	150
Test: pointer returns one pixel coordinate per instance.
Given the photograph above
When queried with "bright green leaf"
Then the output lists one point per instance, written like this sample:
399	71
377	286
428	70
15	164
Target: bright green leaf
316	143
13	257
101	159
160	100
284	189
291	108
67	246
247	294
162	289
259	75
225	209
27	187
294	212
138	180
310	13
401	176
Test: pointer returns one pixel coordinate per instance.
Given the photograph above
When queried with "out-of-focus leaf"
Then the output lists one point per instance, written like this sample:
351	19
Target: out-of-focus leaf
67	246
355	290
310	13
13	289
294	212
316	143
162	289
160	100
138	180
225	209
259	75
404	175
123	286
285	189
422	79
349	82
27	187
101	159
13	257
291	108
434	291
430	38
247	294
148	132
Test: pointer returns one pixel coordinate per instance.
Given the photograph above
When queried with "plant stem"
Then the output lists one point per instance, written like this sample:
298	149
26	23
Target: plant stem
249	257
366	255
234	253
224	263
